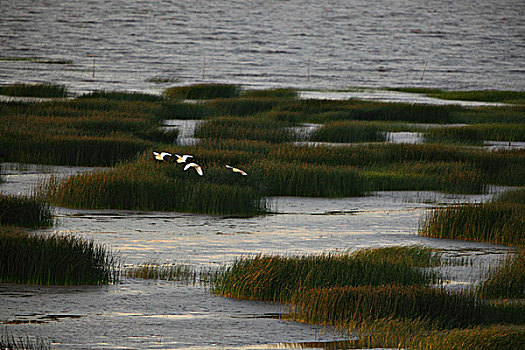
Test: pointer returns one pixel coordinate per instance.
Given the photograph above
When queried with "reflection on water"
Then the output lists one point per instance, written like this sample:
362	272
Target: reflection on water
155	314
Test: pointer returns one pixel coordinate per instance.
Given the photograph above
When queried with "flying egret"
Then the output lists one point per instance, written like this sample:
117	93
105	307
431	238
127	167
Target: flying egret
196	166
183	159
160	156
236	170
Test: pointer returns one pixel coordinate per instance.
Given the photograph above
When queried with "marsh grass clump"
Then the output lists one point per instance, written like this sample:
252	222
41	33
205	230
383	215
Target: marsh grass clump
34	90
277	278
122	96
244	129
308	180
497	222
320	111
54	260
152	189
203	91
477	134
348	131
442	308
504	96
506	280
274	93
24	211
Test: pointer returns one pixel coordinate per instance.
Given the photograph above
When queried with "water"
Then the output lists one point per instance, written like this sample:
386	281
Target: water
158	314
149	45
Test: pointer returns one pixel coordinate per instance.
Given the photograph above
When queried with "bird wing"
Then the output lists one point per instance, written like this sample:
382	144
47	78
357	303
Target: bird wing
229	166
186	156
199	170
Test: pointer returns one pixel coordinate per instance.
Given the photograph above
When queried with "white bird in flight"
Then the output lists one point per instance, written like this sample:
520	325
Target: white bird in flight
236	170
196	166
183	159
160	156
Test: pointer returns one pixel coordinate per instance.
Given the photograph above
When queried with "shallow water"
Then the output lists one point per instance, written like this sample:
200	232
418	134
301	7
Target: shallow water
157	314
147	46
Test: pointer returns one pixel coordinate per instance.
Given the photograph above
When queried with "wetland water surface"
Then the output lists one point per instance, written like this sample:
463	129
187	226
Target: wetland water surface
147	46
156	314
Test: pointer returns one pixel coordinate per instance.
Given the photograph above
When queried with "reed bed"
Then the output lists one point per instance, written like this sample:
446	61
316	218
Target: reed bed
54	260
322	111
348	131
185	110
24	211
506	280
305	180
34	90
203	91
409	334
277	278
444	309
127	188
451	177
244	129
477	134
72	150
494	222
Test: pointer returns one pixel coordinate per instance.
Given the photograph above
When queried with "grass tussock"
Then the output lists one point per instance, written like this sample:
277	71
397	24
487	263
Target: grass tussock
24	211
122	96
499	221
351	131
506	280
203	91
151	188
54	260
277	278
35	90
444	309
503	96
477	134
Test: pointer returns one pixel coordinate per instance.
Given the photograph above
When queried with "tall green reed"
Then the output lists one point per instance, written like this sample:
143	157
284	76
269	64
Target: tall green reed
506	280
54	260
24	211
495	222
277	278
442	308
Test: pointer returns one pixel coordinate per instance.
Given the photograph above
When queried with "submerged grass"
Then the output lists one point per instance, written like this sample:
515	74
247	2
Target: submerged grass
54	260
173	272
34	90
12	342
24	211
